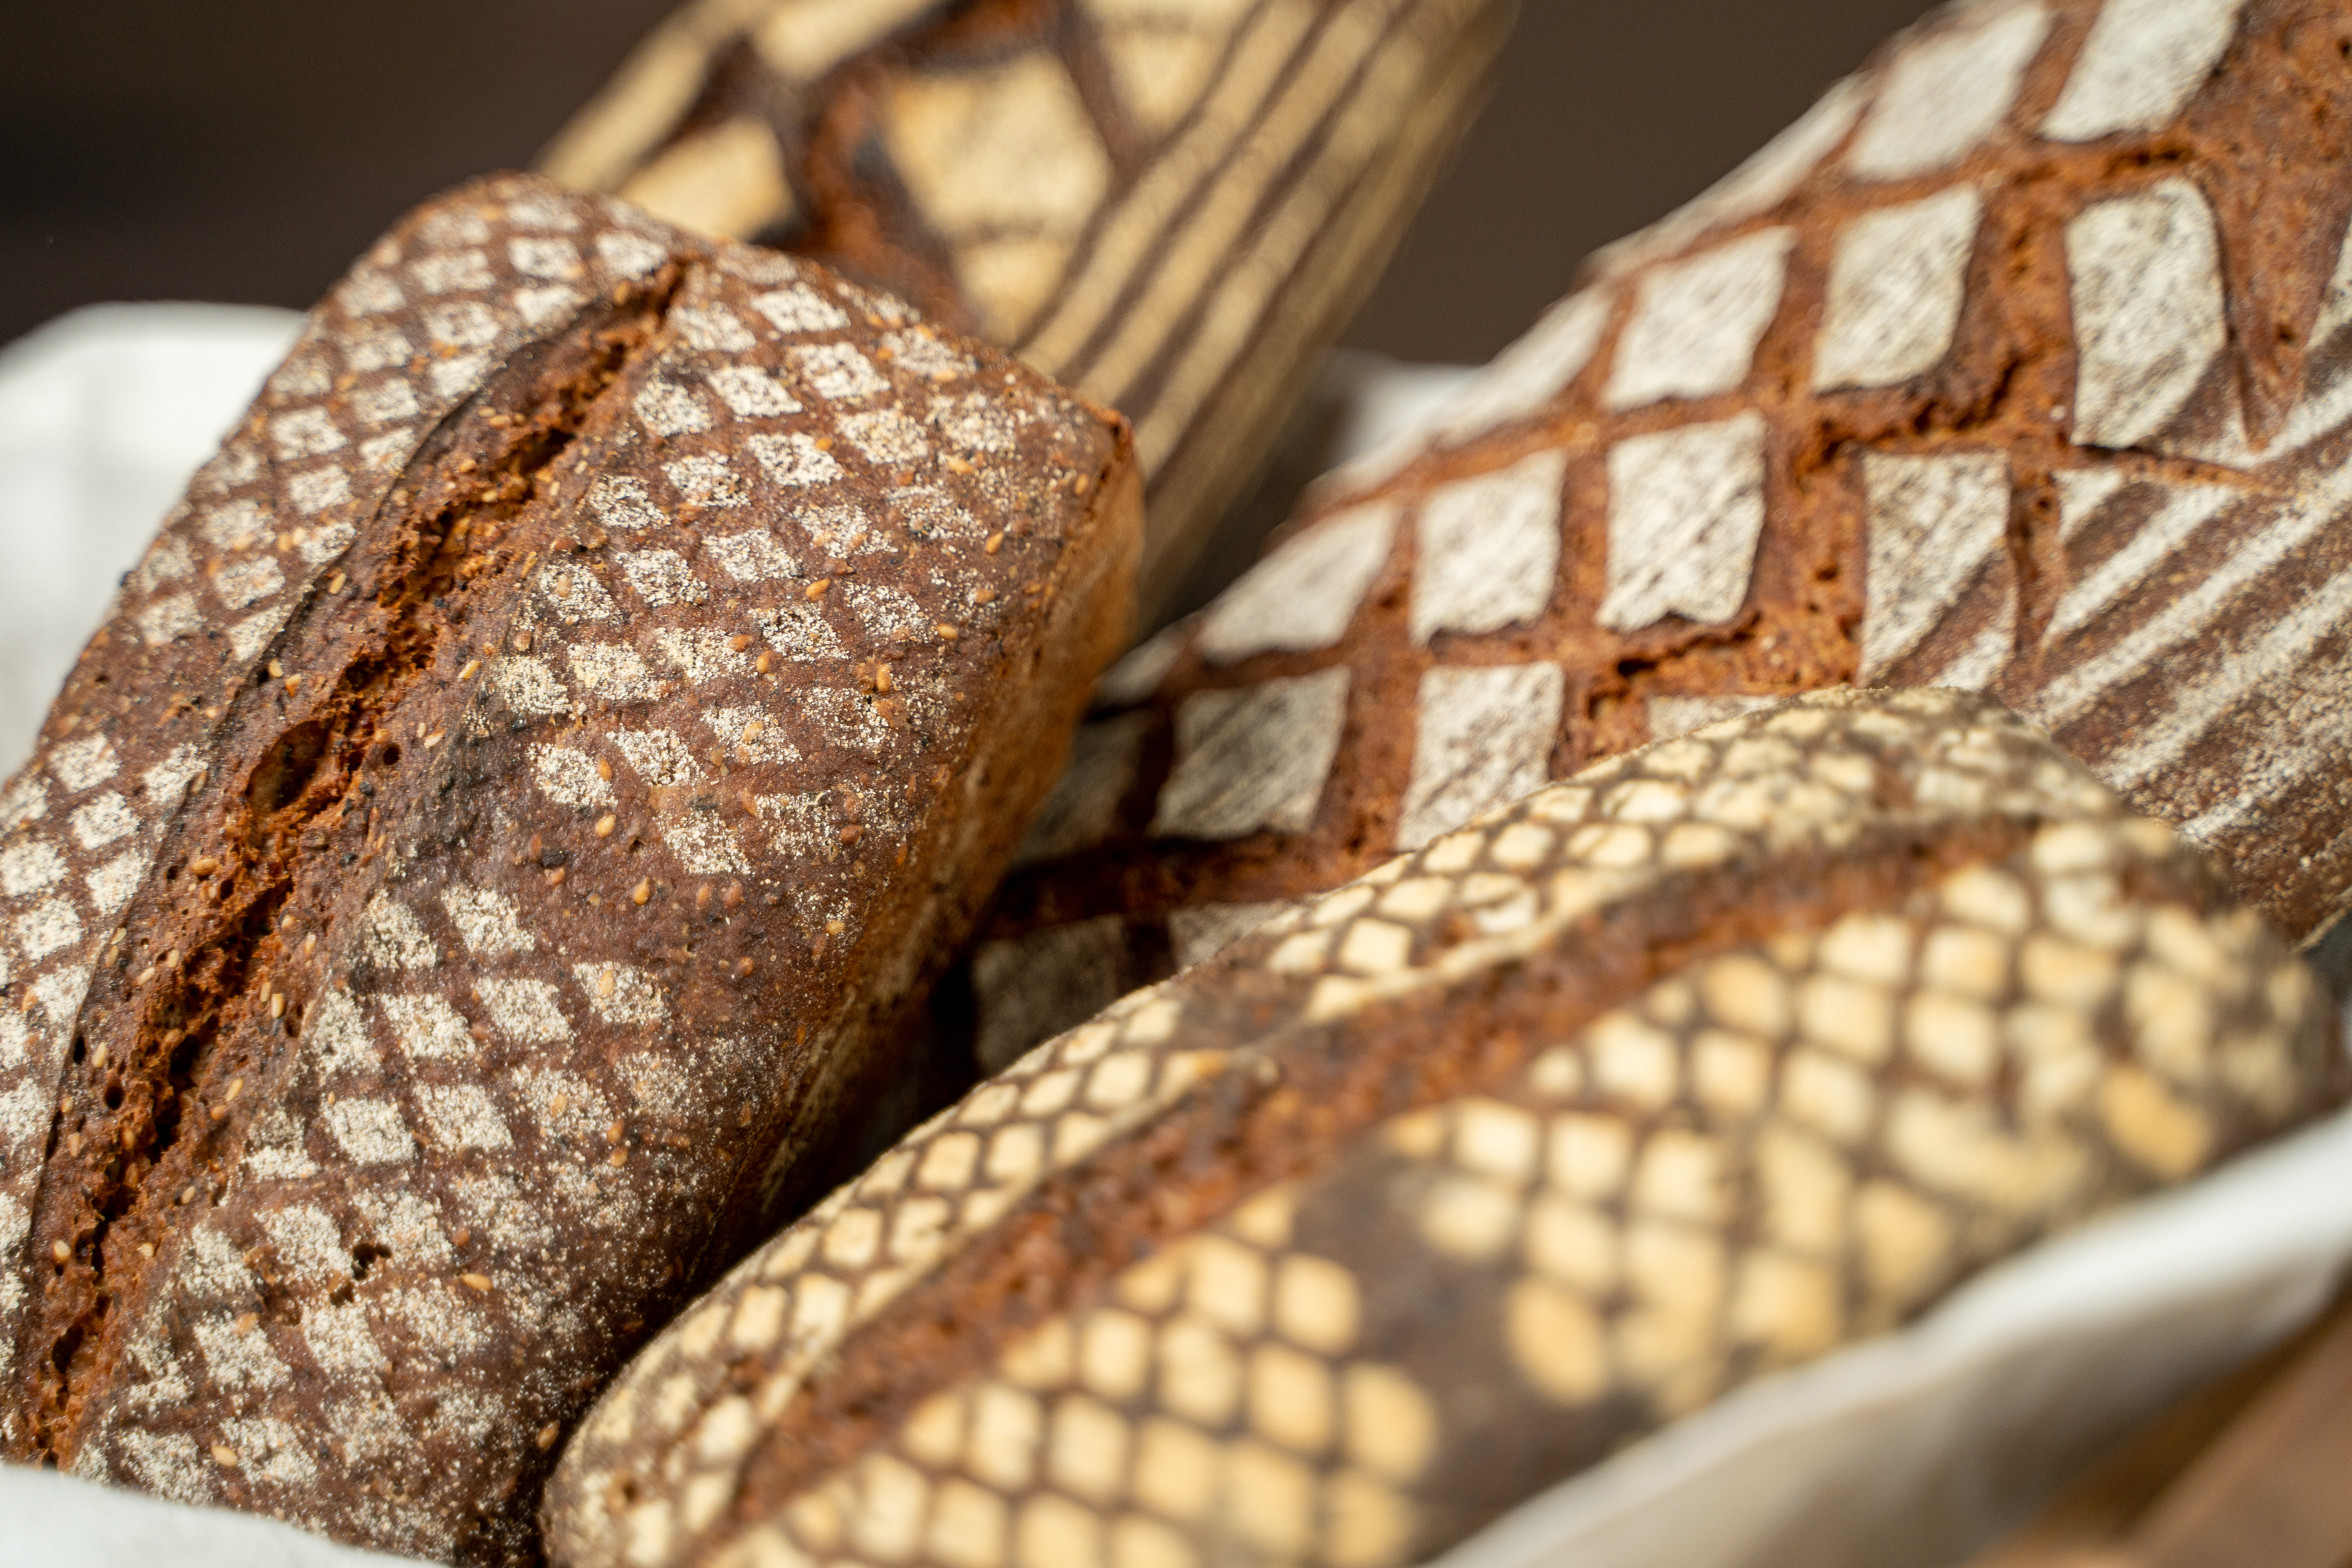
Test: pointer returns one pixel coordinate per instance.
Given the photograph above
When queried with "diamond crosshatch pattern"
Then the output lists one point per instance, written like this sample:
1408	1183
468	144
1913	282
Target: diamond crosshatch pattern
573	975
2002	369
1167	205
1452	1180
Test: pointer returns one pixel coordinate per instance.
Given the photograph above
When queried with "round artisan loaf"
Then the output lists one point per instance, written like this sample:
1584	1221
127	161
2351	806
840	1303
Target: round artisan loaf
1172	205
1448	1183
459	888
2022	362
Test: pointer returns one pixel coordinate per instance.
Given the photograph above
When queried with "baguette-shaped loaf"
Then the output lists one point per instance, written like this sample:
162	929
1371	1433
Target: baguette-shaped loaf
456	888
1172	205
2022	362
1448	1183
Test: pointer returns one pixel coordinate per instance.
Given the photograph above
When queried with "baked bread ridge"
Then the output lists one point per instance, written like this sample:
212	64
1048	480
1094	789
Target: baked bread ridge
575	694
1449	1181
2040	389
1168	205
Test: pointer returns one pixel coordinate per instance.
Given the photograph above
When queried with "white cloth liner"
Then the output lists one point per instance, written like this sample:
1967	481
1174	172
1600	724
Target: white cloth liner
104	413
1903	1453
49	1521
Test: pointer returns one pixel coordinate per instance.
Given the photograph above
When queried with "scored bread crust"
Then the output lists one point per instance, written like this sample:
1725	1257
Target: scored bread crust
1170	207
2021	363
1446	1184
458	892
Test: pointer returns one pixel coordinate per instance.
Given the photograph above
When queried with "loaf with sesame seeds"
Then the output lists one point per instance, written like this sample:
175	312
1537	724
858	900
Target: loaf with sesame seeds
1169	204
462	889
1446	1184
2021	363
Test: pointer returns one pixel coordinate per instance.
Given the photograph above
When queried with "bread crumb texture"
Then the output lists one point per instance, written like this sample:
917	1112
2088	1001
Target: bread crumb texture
446	906
1449	1181
2021	363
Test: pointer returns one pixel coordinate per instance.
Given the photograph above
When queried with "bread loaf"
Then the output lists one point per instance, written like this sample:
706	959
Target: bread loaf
1448	1183
456	887
2022	362
1169	204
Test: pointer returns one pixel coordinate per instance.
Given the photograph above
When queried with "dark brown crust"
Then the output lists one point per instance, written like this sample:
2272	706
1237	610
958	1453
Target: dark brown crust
2263	143
455	867
1297	1061
1337	1081
145	1125
1327	189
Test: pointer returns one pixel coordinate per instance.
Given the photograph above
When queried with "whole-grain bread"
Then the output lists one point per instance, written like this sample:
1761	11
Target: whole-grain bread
1450	1182
1169	204
456	889
2022	362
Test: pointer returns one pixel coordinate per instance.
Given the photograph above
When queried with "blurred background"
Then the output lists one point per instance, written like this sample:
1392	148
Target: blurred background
242	152
244	149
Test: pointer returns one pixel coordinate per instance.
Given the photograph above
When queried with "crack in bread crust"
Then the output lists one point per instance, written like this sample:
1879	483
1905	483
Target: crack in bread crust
163	1119
595	855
